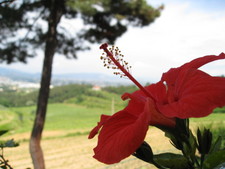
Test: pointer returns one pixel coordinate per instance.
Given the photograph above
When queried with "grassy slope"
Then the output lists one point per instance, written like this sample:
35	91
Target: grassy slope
98	99
76	152
213	118
71	114
77	113
60	117
78	107
67	116
8	119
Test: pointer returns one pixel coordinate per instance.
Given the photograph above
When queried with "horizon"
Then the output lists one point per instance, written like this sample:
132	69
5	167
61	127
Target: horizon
13	76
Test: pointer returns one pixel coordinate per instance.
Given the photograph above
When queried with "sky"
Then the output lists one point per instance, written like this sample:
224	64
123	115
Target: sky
186	29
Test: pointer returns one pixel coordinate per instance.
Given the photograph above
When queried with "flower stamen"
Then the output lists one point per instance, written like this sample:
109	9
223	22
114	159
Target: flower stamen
119	58
112	58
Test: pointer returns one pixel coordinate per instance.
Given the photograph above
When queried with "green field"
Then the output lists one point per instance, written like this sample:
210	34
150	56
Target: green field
70	116
71	148
72	107
60	116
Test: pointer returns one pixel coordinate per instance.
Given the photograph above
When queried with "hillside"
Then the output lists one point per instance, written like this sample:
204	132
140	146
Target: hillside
65	102
74	93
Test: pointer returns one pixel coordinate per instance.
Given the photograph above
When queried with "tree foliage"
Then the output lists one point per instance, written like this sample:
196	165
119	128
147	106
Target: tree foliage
23	25
120	89
109	19
58	94
24	29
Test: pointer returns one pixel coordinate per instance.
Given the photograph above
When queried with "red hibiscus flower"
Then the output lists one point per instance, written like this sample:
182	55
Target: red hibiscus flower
182	92
192	92
122	133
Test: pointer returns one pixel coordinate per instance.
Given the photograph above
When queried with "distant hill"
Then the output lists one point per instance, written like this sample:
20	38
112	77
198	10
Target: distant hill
17	75
61	79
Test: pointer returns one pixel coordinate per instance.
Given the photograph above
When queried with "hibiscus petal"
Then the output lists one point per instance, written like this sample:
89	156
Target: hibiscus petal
156	118
195	94
158	91
197	63
191	92
171	75
95	130
138	98
136	103
121	136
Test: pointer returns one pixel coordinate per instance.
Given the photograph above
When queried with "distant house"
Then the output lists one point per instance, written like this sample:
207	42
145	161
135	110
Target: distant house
96	88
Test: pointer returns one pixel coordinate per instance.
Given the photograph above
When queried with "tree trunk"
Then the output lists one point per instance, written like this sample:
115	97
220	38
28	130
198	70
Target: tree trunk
56	9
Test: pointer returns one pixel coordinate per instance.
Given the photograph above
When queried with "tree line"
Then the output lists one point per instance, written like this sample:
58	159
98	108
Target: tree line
59	94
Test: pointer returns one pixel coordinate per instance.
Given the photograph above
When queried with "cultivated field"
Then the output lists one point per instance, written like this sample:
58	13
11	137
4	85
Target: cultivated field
65	142
75	152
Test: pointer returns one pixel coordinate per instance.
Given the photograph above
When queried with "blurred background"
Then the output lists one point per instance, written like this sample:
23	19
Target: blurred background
153	35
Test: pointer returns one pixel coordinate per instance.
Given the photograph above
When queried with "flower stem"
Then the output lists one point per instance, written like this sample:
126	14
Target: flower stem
202	160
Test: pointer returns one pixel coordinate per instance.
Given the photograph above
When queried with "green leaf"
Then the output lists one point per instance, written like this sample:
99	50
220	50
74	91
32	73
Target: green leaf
217	145
204	140
3	132
214	159
189	147
172	161
144	152
9	143
178	134
192	142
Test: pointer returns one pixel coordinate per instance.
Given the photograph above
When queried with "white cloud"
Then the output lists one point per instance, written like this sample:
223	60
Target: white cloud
178	36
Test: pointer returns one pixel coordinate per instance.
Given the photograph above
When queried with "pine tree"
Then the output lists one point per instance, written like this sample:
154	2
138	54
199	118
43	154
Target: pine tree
28	25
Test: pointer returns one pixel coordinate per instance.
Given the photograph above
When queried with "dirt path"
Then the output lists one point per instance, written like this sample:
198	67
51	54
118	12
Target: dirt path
76	152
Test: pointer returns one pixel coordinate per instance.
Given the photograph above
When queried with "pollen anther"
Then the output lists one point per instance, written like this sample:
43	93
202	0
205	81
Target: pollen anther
114	53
